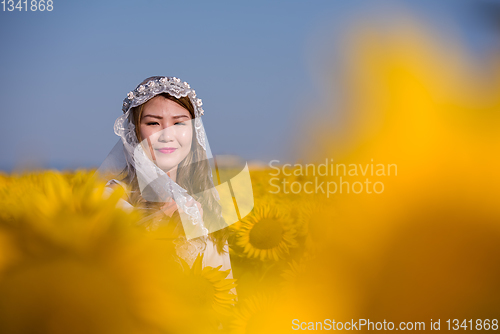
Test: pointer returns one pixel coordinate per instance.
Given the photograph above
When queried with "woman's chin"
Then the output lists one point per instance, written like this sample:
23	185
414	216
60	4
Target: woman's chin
166	169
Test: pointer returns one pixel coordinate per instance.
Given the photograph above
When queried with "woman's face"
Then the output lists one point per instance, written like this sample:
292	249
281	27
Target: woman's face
166	131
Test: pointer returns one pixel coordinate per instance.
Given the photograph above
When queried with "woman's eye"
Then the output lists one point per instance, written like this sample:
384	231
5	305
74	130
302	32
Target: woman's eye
180	123
152	123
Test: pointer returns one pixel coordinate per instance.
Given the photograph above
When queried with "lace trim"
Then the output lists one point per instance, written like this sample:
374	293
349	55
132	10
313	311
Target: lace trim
158	85
188	250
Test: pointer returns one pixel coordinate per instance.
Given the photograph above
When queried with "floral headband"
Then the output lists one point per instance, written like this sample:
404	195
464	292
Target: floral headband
158	85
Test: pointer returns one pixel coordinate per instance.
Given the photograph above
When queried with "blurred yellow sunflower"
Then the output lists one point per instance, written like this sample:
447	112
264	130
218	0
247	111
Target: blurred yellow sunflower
267	233
293	277
292	271
71	261
316	222
209	287
257	314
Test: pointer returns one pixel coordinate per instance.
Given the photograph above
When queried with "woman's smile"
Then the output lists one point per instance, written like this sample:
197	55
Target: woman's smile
167	150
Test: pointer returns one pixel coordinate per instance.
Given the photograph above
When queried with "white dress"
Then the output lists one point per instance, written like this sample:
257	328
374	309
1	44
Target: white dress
188	252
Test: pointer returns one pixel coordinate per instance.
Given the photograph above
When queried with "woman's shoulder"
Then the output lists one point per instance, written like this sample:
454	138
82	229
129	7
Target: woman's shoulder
111	185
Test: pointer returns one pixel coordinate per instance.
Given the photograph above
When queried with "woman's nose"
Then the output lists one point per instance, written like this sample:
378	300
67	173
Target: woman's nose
166	134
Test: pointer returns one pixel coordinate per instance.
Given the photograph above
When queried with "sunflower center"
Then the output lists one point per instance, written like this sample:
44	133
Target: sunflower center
266	234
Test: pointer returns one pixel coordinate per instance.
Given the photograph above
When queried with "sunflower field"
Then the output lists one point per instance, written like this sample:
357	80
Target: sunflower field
424	249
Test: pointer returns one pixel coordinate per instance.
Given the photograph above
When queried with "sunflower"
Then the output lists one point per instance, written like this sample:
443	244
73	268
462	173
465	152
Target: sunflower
267	233
294	277
208	287
71	261
316	222
292	271
257	314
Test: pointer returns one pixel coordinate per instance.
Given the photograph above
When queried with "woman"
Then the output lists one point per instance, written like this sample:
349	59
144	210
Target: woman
163	163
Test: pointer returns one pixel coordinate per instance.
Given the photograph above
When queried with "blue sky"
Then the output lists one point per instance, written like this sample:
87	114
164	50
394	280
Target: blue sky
65	73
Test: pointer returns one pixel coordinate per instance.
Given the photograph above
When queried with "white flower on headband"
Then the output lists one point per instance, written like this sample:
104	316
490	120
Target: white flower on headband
130	95
140	89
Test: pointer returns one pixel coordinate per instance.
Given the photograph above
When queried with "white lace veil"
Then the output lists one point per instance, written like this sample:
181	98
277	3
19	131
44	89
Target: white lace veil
128	156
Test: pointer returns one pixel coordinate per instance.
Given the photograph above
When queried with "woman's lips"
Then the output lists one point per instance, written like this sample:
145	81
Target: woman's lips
167	150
